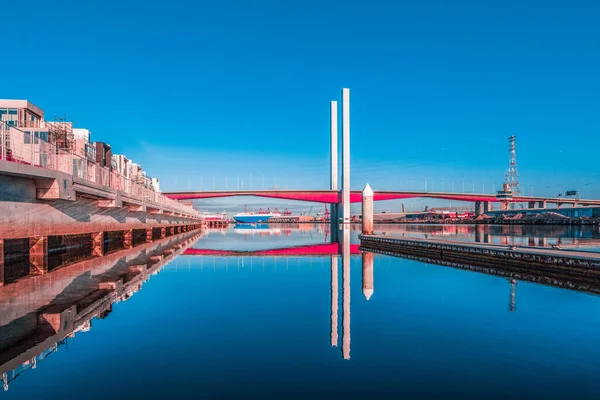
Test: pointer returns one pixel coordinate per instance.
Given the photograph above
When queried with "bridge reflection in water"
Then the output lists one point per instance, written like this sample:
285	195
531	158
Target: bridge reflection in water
340	251
39	315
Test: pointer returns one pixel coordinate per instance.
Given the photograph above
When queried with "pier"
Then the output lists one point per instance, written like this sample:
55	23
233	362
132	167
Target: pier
571	269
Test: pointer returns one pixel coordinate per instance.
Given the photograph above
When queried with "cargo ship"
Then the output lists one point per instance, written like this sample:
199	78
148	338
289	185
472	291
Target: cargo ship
251	217
256	229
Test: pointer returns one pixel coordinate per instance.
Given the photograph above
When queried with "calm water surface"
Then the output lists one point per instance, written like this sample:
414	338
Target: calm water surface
278	326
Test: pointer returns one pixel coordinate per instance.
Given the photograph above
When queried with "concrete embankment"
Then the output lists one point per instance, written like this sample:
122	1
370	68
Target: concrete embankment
26	211
563	268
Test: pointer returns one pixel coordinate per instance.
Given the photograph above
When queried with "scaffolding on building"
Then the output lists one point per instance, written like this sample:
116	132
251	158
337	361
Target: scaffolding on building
60	133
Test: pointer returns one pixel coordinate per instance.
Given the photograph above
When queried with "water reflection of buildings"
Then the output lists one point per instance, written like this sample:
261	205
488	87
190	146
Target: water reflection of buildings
41	314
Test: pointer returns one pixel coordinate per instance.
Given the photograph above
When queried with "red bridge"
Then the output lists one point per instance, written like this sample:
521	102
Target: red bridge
334	197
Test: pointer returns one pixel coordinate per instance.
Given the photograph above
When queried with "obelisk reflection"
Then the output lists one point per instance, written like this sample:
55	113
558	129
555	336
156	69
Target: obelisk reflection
367	274
334	300
346	291
513	290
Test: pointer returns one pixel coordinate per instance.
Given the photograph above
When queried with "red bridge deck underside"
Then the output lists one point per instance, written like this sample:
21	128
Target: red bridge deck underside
328	196
328	249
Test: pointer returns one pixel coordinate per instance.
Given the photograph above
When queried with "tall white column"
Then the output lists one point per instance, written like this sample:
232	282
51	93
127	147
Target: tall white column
346	155
333	155
367	210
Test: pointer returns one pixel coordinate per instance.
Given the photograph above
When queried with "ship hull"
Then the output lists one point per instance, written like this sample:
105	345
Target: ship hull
251	219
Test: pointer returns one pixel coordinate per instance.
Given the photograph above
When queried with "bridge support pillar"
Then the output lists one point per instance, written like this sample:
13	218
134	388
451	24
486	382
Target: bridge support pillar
542	204
334	222
532	204
487	206
478	208
367	210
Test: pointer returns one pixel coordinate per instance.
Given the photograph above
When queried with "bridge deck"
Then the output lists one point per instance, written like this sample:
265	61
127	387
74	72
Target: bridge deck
333	197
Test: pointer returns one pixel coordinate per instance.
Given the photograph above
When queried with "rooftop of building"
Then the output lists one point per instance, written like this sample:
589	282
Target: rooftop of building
11	103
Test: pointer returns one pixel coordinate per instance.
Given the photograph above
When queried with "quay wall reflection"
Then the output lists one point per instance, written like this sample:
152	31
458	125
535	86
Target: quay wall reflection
39	314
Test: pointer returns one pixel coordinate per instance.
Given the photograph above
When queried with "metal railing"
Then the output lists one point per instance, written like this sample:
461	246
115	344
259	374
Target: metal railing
27	148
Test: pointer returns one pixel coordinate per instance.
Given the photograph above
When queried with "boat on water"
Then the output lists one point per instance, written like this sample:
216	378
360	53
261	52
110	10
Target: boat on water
256	229
251	217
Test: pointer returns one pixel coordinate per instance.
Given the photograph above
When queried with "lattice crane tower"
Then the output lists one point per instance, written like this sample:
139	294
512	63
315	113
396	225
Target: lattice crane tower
512	175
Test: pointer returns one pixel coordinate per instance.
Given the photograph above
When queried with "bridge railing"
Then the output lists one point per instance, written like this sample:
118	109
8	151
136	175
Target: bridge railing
33	148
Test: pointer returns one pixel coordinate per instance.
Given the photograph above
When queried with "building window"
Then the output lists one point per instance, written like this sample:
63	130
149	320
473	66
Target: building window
41	135
27	138
2	111
44	160
12	111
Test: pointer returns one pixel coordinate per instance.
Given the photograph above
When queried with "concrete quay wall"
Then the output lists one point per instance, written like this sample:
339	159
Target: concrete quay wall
23	214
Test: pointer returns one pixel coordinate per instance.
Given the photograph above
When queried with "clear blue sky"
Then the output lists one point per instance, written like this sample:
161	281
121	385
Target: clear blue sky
202	88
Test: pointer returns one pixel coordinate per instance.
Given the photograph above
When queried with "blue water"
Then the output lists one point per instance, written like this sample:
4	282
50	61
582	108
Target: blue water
259	327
